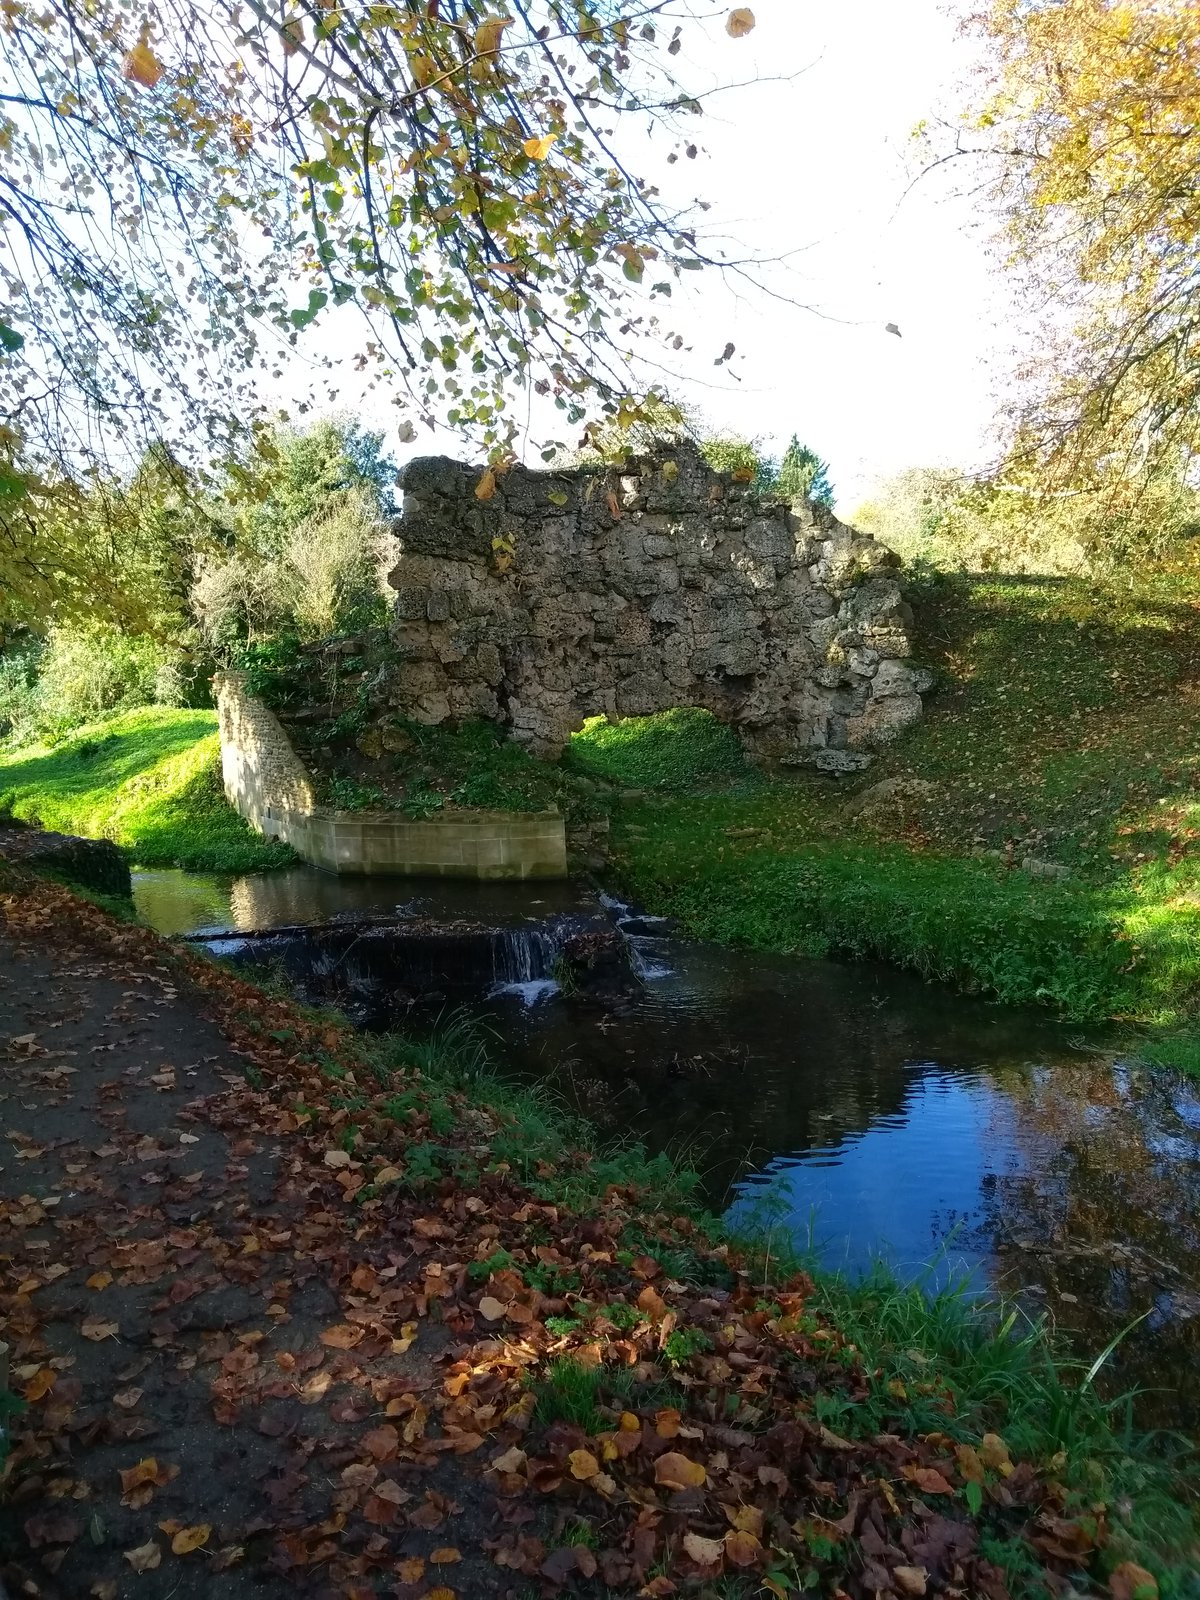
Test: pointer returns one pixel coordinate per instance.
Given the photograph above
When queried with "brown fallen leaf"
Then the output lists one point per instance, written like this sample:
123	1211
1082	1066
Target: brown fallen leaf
94	1329
40	1385
145	1557
342	1336
127	1398
1131	1582
743	1547
675	1471
739	23
929	1480
445	1556
337	1158
145	1471
491	1309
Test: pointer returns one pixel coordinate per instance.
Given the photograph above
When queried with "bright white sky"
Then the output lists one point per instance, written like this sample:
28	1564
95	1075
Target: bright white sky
819	166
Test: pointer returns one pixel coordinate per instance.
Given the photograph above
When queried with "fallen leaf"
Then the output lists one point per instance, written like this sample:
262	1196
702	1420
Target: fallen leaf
337	1158
705	1552
411	1570
929	1480
583	1464
666	1422
145	1557
739	23
490	1308
742	1547
675	1471
39	1385
99	1280
127	1398
92	1328
445	1556
1131	1582
146	1471
342	1336
993	1452
486	487
189	1539
910	1580
512	1460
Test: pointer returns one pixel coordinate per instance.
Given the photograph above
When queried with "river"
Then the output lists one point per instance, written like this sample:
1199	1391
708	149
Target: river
866	1114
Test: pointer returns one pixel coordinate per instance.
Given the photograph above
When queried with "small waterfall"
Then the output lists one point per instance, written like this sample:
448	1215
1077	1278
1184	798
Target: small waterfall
524	961
645	948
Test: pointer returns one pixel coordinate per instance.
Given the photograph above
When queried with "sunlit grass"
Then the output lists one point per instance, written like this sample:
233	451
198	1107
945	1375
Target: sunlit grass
150	780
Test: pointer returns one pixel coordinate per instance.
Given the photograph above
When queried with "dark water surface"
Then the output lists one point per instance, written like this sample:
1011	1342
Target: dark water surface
858	1110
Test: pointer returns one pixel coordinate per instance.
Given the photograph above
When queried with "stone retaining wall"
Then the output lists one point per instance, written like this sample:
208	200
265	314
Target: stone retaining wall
266	781
563	595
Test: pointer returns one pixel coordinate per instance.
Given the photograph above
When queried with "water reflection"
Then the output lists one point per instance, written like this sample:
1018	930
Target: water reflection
873	1114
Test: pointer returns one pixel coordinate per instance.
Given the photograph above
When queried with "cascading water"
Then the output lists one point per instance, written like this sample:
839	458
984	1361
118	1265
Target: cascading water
524	962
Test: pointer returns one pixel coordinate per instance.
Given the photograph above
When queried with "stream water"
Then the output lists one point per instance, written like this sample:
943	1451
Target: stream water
863	1112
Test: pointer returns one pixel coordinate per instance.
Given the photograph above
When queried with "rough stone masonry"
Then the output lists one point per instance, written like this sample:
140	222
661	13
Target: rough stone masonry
571	593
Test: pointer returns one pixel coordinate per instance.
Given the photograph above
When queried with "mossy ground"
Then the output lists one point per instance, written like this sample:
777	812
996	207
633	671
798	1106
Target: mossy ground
148	779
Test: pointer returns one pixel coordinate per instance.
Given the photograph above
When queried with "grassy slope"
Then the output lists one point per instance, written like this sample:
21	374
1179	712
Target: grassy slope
1062	728
149	779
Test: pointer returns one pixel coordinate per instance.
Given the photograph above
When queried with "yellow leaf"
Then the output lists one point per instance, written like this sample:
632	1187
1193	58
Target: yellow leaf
739	23
630	1422
189	1539
146	1471
583	1464
539	149
445	1556
99	1280
675	1471
994	1453
742	1547
411	1570
488	35
142	66
486	487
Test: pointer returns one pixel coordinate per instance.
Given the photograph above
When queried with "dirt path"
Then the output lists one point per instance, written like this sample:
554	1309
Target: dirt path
282	1327
165	1321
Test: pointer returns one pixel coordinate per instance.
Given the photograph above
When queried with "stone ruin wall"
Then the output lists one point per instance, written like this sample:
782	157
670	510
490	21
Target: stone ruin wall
665	584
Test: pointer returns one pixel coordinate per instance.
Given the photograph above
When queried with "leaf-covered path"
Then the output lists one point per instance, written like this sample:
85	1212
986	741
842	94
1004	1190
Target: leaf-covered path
267	1347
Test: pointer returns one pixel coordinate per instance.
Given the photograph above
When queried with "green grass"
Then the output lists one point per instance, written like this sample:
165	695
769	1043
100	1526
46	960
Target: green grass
148	779
1062	728
684	746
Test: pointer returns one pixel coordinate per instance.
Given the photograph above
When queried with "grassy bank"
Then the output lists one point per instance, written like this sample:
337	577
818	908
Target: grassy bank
620	1353
1061	734
148	779
885	1359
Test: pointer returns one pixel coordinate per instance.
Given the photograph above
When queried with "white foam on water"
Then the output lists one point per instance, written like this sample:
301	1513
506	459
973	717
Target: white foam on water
531	991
